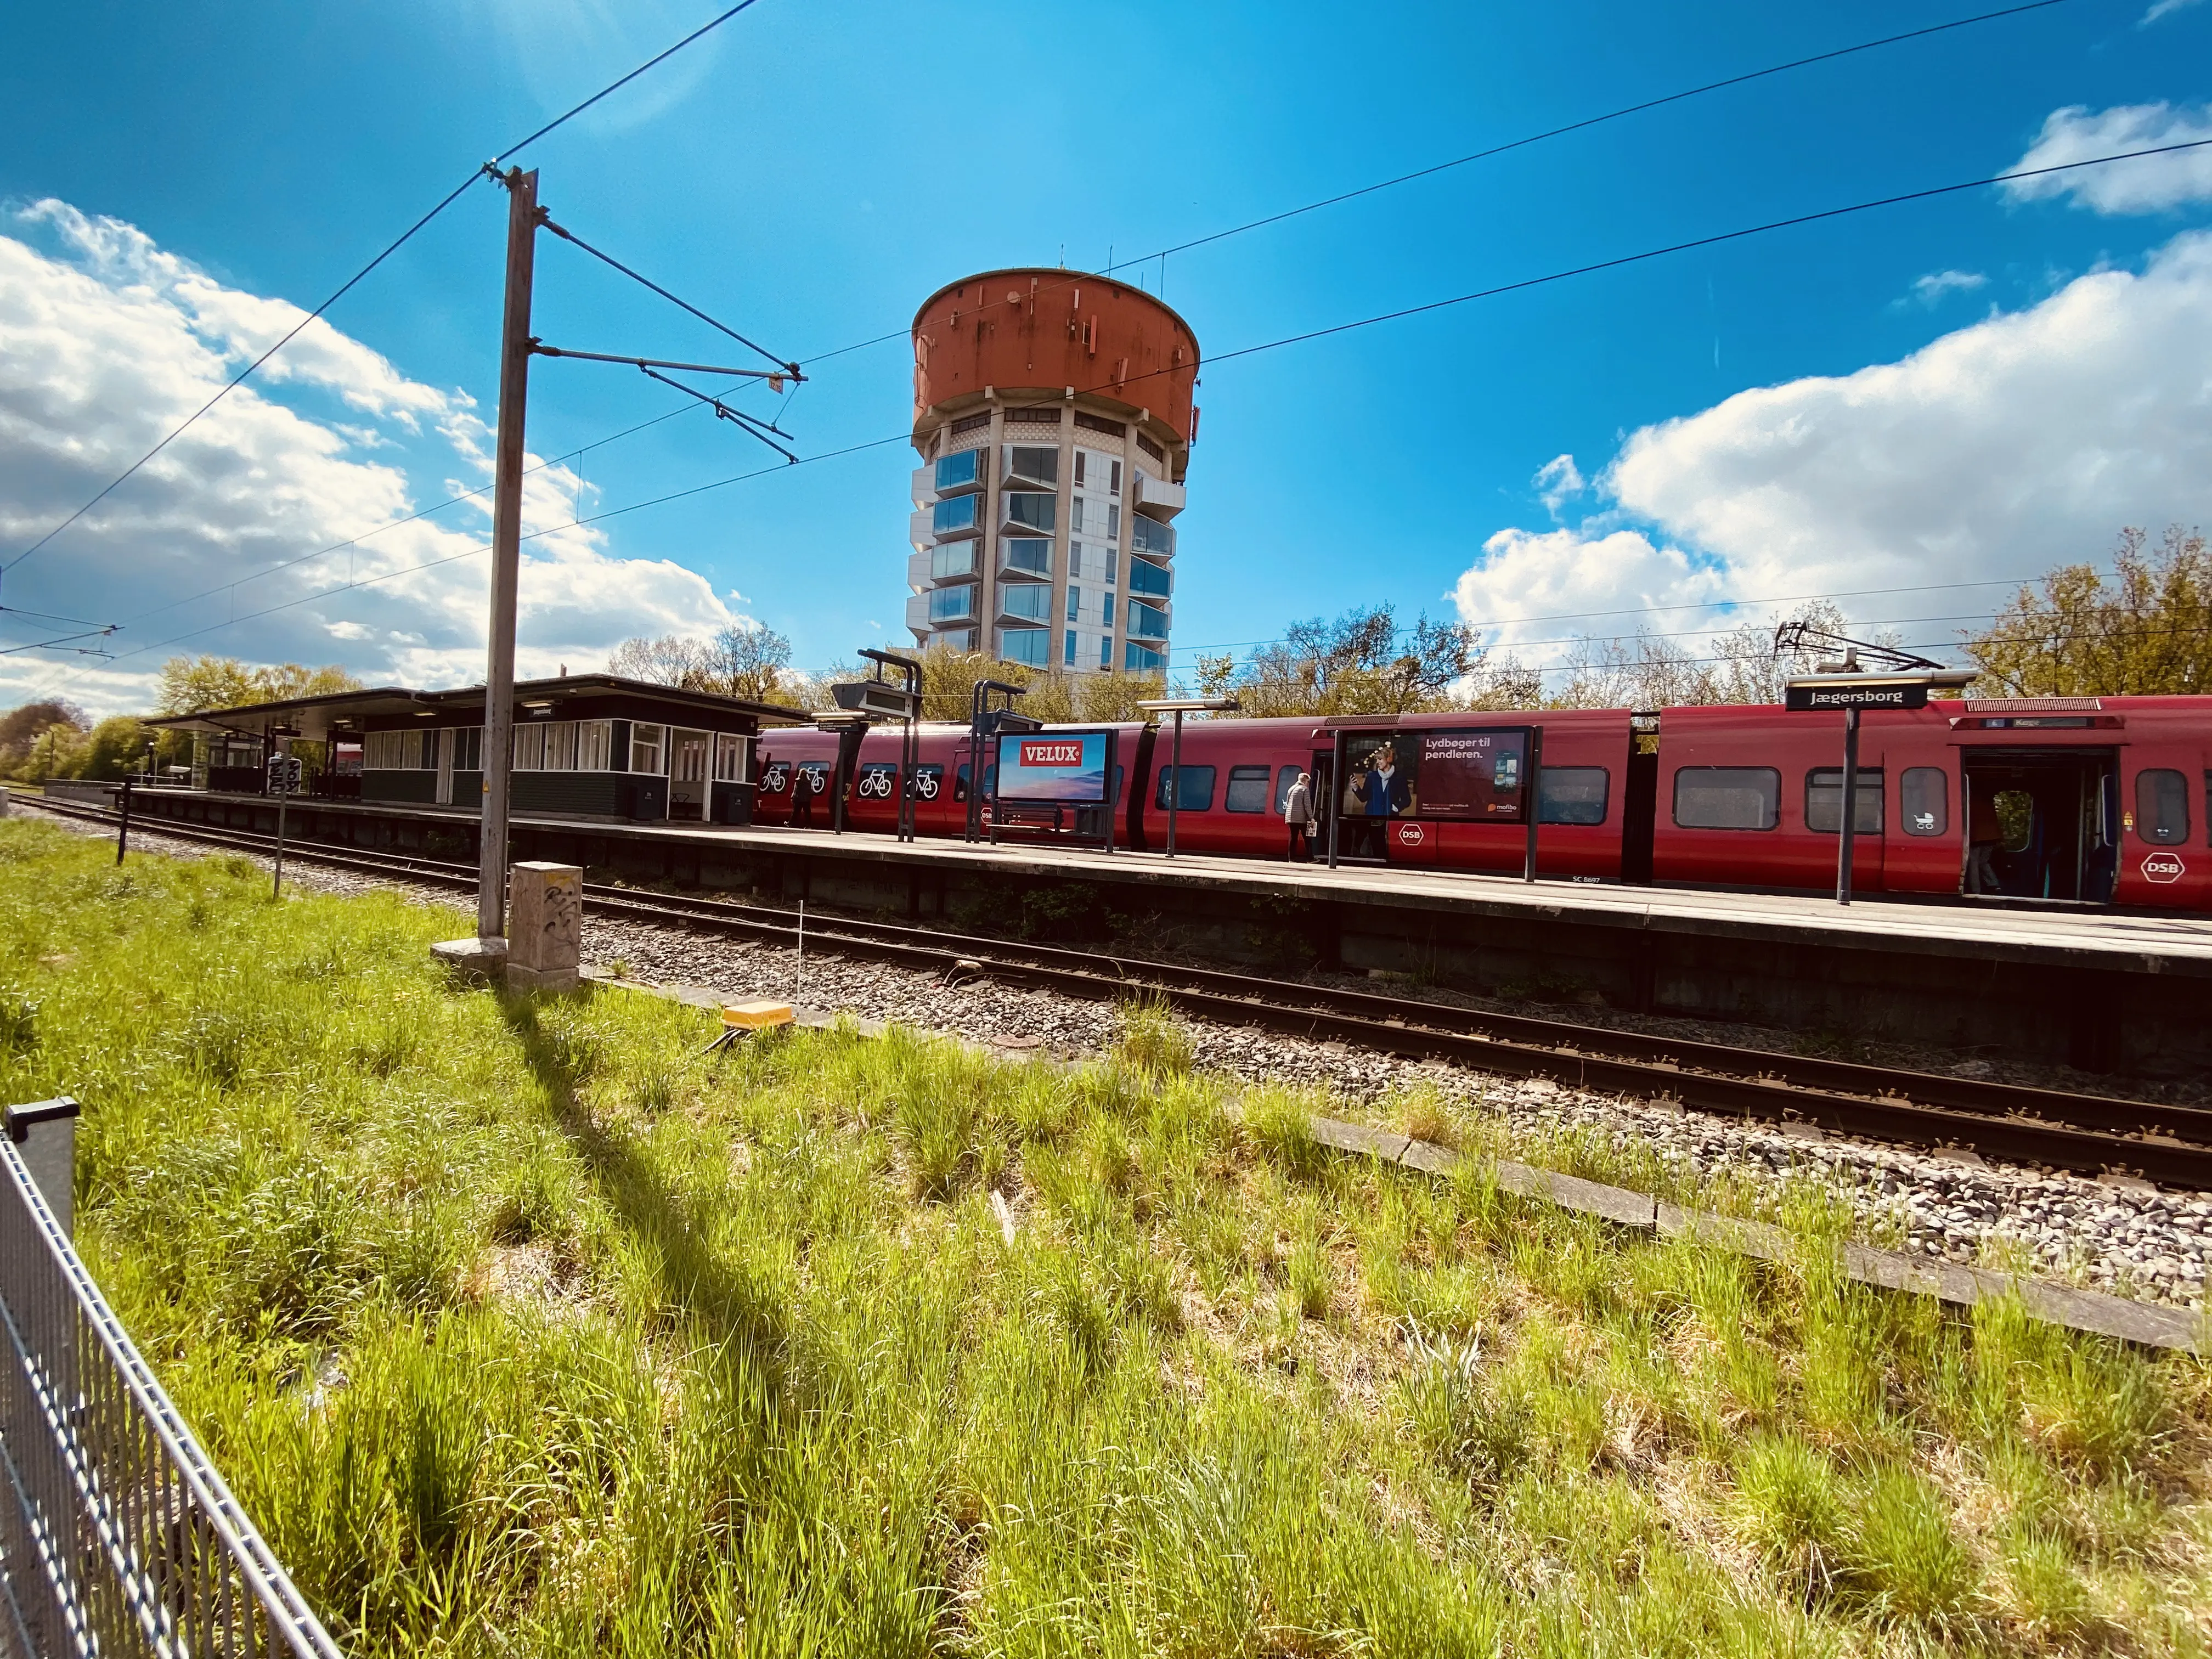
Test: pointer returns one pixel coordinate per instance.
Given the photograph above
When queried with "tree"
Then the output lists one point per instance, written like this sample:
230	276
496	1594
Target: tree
749	660
20	728
193	685
671	659
2146	631
117	745
1652	671
1358	663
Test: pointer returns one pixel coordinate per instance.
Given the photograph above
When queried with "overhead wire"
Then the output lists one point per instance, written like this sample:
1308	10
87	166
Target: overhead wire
347	286
1522	142
1312	334
1367	322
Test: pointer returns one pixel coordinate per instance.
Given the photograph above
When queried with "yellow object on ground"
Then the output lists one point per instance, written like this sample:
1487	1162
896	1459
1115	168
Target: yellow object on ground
756	1016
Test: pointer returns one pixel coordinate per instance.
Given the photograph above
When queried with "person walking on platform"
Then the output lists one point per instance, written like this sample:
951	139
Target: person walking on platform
1985	835
1298	814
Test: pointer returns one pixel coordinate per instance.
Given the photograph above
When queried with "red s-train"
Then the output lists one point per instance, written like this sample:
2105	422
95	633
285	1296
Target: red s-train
2075	801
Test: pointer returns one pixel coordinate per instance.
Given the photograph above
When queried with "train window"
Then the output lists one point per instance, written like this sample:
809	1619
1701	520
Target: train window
960	780
1728	798
1287	775
1572	794
878	780
1193	794
1824	801
1247	789
2162	806
1924	804
927	782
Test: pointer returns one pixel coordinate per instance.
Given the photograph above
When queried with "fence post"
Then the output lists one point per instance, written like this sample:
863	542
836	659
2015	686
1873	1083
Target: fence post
46	1140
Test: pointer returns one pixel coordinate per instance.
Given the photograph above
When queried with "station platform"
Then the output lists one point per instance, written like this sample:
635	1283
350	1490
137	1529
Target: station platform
2101	990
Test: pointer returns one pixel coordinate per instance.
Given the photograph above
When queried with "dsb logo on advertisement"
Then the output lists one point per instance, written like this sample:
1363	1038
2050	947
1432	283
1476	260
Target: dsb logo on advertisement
1052	754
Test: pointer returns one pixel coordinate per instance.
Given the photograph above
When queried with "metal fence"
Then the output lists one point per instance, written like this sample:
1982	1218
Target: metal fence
117	1536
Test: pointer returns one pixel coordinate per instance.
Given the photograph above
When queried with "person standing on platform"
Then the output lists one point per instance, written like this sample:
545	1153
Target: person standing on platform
1298	814
1985	835
802	799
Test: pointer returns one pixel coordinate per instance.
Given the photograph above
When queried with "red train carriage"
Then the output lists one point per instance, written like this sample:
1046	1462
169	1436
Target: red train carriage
2092	801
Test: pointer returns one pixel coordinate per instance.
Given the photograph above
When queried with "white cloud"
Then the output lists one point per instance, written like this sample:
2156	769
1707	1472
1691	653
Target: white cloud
2165	7
107	343
1527	582
1557	479
2149	184
1931	288
1998	451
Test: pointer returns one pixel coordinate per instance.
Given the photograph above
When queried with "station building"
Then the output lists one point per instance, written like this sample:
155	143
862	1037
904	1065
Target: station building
586	747
1053	415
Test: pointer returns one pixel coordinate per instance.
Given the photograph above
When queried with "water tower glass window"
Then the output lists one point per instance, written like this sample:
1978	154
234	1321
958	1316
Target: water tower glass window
1113	521
1026	644
1031	601
1025	508
953	559
952	604
1146	620
1150	536
1074	603
1143	660
1075	515
1033	464
963	471
1148	578
948	518
1107	601
1106	652
1067	654
1029	553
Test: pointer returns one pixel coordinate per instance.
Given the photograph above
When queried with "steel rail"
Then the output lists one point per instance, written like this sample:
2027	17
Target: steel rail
2091	1134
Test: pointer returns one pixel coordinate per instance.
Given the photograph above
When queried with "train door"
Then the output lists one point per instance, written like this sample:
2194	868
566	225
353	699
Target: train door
2042	823
2159	842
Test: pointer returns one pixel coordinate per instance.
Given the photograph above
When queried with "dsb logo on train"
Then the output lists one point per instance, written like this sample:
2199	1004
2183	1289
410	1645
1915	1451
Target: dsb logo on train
2163	868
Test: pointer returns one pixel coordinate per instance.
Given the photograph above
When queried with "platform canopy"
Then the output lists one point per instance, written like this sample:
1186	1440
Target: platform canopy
347	715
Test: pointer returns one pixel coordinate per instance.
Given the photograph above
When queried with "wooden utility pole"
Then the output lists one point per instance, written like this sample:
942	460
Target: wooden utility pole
522	222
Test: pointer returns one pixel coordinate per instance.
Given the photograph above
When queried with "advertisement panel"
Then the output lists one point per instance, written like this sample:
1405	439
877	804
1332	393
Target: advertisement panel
1060	768
1477	774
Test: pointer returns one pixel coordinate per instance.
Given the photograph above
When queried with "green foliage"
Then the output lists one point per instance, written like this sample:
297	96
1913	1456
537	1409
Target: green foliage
2144	631
520	1328
192	684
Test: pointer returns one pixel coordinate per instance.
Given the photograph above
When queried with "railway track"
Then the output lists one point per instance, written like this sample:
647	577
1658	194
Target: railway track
2093	1134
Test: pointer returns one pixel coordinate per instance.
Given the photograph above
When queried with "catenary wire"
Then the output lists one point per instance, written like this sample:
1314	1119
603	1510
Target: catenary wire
405	236
1522	142
571	237
1341	328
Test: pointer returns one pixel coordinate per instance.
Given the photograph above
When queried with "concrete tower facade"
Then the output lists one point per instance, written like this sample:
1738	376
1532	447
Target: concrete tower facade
1053	415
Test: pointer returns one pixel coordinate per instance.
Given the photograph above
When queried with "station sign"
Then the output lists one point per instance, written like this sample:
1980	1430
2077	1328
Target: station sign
1059	768
890	702
1904	692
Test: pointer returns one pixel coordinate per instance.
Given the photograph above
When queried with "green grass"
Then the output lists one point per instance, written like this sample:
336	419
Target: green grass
520	1328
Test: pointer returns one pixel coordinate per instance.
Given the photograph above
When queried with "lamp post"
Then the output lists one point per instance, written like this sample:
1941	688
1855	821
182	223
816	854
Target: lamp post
1179	707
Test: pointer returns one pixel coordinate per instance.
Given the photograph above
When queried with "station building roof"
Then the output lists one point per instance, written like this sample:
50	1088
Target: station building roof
572	696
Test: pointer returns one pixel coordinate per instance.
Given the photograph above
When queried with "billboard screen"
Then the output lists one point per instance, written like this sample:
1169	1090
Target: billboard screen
1476	774
1068	768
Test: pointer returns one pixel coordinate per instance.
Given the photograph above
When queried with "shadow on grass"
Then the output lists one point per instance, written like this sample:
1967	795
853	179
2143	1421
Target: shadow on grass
694	1276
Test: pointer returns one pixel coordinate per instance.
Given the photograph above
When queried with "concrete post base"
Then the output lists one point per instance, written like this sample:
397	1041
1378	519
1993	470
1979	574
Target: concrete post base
481	959
521	977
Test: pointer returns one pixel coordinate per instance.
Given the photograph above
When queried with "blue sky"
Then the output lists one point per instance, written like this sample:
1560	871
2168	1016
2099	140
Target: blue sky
811	172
